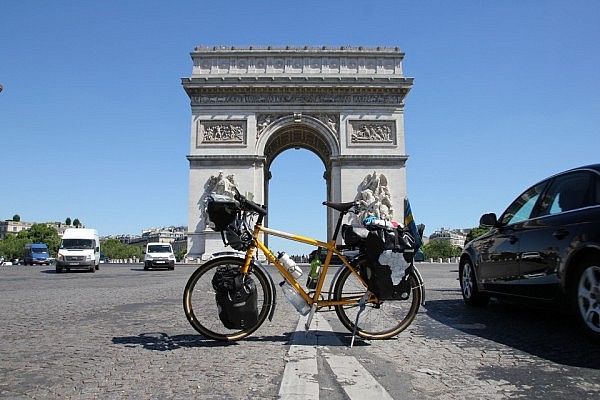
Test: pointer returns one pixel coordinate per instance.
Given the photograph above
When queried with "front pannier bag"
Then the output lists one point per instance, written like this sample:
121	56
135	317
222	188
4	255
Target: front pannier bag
236	298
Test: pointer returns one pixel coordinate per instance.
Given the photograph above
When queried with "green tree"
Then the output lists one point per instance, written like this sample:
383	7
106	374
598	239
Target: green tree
112	248
76	223
68	221
440	249
13	246
42	233
16	218
476	232
180	254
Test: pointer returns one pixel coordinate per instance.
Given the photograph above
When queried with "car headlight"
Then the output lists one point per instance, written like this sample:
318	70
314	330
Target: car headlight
148	257
171	257
60	257
88	257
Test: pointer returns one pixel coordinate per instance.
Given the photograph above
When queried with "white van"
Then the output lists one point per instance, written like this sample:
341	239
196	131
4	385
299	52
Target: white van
159	255
79	249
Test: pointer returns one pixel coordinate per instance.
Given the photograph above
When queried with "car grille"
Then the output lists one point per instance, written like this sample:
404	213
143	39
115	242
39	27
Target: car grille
75	258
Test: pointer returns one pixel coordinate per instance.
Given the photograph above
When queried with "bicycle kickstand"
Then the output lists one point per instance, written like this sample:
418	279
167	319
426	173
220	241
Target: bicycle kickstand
310	317
361	305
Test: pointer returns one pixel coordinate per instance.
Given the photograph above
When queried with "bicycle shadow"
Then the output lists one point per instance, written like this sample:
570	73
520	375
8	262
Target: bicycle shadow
160	341
539	330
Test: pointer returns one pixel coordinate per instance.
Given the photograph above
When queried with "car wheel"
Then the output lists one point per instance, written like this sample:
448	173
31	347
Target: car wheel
98	267
468	285
587	297
58	270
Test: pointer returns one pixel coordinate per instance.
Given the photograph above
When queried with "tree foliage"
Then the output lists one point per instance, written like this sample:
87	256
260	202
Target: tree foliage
114	249
68	221
440	249
76	223
13	246
16	218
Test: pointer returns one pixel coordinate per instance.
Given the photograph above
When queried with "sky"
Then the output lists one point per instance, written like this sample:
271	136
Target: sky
95	125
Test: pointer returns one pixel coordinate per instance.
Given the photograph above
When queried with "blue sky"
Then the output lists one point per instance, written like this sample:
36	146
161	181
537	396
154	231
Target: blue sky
93	119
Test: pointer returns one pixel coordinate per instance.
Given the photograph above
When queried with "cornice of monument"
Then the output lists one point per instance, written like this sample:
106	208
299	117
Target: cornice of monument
304	50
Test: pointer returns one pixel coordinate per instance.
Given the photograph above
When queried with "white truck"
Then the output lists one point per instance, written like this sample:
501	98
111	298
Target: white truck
79	249
159	255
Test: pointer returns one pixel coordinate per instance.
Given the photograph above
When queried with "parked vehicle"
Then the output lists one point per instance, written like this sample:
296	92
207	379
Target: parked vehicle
159	255
322	254
79	249
545	246
36	253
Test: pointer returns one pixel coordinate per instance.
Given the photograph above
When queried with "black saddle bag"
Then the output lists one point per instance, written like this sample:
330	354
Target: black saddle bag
236	298
379	276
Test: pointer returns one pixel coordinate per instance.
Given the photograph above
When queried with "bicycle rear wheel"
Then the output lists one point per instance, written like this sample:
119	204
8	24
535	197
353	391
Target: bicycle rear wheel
381	320
200	306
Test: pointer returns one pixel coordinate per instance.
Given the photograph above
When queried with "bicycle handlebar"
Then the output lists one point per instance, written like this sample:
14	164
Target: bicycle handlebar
249	204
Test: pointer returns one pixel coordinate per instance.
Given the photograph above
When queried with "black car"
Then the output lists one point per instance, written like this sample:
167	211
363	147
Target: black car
545	246
335	259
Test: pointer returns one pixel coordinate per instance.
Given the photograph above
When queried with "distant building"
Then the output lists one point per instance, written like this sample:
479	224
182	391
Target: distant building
10	226
456	237
176	235
14	227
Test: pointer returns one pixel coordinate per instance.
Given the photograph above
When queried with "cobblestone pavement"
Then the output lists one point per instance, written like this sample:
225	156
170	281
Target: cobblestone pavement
121	333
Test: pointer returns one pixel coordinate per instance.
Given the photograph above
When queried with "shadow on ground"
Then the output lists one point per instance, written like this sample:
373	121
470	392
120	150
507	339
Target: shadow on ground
540	330
160	341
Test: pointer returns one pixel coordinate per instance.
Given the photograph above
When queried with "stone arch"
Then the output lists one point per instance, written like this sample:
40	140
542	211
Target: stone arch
298	131
248	105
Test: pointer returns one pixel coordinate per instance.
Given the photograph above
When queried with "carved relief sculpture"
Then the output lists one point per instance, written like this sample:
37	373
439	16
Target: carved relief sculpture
374	198
372	132
330	120
221	132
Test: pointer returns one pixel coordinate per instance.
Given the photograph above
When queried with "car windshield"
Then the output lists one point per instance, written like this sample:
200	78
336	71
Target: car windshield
77	244
39	250
159	248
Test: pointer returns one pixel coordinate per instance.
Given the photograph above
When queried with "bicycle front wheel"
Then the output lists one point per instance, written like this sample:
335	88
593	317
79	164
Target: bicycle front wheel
379	320
200	305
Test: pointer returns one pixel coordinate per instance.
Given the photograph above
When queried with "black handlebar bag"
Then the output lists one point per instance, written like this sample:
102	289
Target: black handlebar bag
222	211
236	298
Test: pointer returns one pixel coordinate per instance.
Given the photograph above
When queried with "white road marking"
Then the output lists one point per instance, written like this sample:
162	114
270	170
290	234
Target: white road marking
300	377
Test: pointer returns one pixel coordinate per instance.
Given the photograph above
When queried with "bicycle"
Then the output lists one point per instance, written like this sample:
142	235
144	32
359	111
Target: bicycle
357	307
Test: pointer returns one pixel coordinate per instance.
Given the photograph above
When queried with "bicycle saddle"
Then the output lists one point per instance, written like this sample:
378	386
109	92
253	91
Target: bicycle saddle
341	207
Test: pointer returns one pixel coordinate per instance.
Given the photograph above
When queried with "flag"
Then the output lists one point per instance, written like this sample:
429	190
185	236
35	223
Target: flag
409	222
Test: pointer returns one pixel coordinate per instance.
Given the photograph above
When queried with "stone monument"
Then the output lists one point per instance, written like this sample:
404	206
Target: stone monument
345	104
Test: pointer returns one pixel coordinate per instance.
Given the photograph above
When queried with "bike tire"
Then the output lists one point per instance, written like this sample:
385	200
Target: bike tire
382	320
200	306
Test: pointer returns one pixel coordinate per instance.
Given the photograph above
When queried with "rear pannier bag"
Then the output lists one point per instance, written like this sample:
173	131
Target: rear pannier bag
222	211
398	248
236	298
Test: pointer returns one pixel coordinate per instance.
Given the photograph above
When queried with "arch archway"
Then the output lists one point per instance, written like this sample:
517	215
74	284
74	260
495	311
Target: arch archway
249	105
295	132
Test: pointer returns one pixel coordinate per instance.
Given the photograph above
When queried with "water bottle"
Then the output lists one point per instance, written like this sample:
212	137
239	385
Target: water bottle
290	265
295	298
313	276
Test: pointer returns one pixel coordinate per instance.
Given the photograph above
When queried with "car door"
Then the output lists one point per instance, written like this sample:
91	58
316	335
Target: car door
499	263
545	239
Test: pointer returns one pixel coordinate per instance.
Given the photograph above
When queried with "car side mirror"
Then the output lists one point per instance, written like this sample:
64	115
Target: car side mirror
97	249
488	220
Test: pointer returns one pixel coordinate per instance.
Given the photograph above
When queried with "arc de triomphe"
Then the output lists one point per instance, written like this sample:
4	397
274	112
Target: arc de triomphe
248	105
